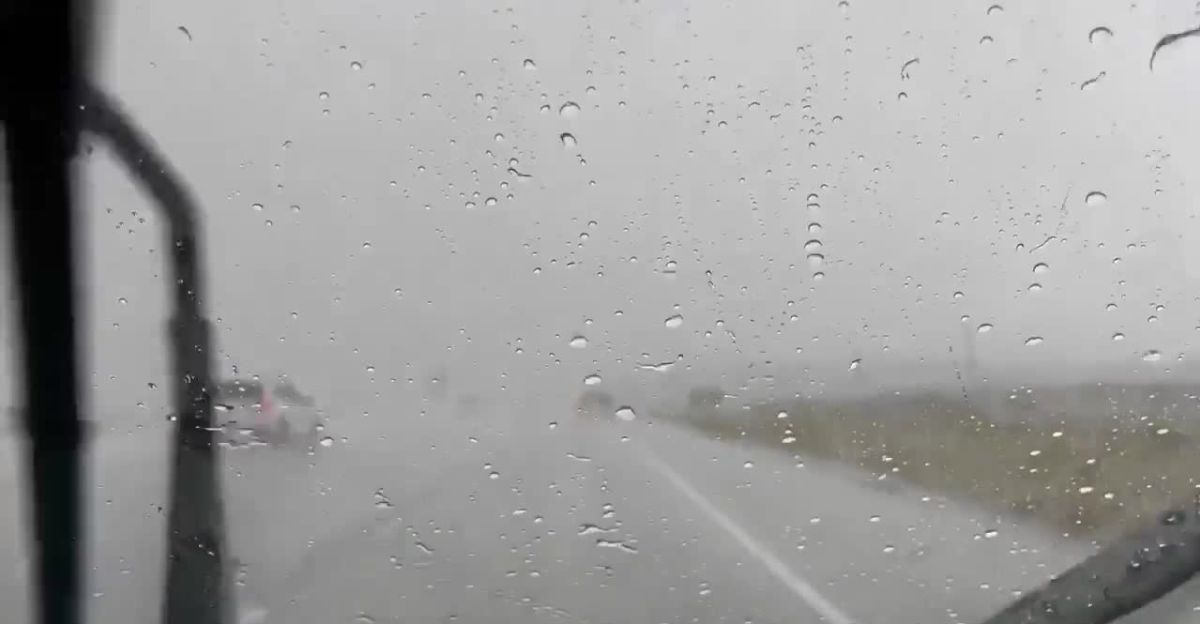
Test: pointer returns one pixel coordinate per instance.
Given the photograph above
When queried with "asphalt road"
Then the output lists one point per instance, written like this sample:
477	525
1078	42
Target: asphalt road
451	521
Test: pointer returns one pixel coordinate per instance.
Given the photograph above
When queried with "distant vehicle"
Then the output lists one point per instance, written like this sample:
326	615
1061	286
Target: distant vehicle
251	413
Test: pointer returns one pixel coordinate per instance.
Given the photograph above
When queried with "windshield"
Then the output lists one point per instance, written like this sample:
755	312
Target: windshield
646	311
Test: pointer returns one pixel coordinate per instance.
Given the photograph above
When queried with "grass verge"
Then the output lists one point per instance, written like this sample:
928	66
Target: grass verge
1085	476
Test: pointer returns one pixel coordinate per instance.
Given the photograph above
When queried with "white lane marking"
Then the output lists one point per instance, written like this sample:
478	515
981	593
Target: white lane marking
780	570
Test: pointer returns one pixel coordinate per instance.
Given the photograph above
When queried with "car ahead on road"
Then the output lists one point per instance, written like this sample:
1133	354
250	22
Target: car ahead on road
250	412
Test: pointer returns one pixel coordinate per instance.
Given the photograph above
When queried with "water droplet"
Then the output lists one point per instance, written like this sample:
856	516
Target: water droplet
814	228
324	95
355	65
748	464
1118	337
592	380
1035	287
327	441
578	342
256	207
491	201
122	301
984	328
781	415
493	475
674	322
1099	35
625	413
568	140
813	246
568	110
815	260
889	549
1087	489
1040	268
1091	83
187	33
995	9
529	64
1151	356
854	364
499	138
1034	341
1095	199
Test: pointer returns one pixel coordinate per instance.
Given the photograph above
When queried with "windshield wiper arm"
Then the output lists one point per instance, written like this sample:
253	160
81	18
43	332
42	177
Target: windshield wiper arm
1131	572
197	584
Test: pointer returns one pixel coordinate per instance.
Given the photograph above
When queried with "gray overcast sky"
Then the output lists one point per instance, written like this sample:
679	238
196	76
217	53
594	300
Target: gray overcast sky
712	142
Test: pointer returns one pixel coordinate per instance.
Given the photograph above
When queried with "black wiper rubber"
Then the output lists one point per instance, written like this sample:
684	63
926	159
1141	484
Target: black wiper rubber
1136	569
198	588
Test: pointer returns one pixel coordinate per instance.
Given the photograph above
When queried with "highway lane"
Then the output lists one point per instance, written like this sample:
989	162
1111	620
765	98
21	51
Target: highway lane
586	522
623	522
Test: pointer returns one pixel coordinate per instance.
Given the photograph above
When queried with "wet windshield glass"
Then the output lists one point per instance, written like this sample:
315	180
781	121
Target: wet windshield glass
648	311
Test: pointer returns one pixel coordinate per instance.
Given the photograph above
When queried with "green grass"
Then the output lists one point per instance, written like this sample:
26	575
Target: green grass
1083	476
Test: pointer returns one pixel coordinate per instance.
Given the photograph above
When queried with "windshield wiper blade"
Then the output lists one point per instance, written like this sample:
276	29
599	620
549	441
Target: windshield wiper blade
1127	574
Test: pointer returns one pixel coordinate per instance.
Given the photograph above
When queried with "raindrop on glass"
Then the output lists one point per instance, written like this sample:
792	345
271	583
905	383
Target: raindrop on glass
568	110
1095	199
592	380
1099	34
578	342
674	322
1034	341
625	413
568	140
529	64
